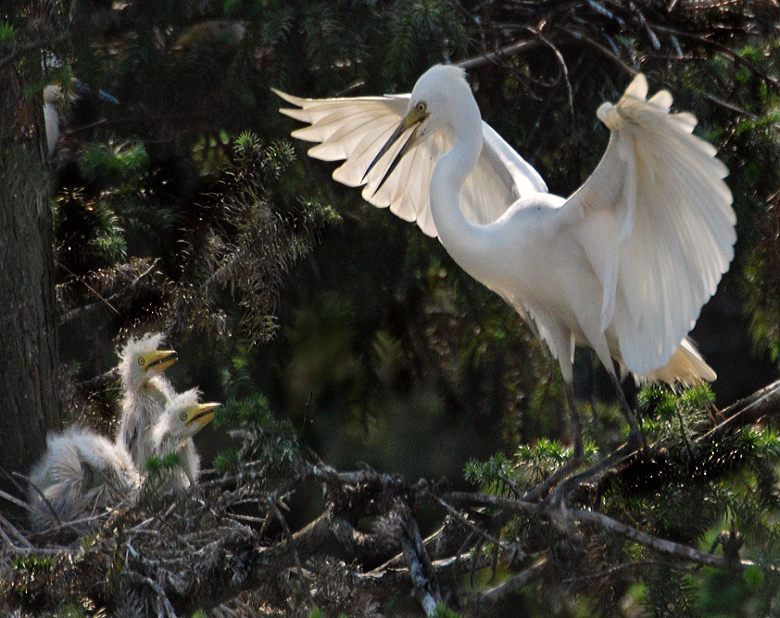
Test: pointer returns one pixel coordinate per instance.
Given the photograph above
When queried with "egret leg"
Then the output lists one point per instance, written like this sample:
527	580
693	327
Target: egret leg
635	437
576	425
576	458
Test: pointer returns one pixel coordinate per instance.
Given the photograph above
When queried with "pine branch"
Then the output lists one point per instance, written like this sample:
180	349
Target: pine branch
650	465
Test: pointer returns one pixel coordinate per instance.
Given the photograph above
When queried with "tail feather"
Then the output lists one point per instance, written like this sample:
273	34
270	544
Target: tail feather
686	366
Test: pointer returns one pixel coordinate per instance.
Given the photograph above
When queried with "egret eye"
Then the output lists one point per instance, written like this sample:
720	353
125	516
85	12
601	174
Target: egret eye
421	107
141	361
183	416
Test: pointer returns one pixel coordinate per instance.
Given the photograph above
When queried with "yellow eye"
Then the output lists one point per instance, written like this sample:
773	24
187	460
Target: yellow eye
141	361
183	416
421	107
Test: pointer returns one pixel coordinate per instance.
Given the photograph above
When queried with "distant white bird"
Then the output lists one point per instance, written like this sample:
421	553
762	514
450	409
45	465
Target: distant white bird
51	100
146	393
52	104
172	433
623	265
80	474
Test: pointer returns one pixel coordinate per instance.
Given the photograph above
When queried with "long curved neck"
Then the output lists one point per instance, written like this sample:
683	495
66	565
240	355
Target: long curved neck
464	240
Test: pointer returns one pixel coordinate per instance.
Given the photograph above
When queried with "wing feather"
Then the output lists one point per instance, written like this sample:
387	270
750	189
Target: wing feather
353	130
656	222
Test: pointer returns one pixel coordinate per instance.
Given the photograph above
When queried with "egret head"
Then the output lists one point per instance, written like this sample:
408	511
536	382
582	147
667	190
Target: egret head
441	98
184	416
141	360
52	93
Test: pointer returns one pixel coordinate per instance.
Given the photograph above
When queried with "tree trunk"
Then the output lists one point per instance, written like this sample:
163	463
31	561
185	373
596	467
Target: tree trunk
28	343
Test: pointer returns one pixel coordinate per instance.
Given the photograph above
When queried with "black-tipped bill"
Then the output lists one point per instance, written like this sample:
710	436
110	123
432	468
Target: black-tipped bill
201	414
412	121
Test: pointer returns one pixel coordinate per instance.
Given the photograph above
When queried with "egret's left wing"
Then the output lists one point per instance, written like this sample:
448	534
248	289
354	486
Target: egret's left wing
656	223
354	130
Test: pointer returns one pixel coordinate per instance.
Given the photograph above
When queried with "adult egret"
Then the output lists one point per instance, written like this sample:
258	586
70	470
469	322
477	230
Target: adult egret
623	265
52	103
146	393
80	474
172	433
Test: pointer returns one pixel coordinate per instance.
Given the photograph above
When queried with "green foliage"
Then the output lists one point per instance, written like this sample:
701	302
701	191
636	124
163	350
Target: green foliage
270	445
114	166
156	466
253	410
491	476
33	564
7	33
430	26
227	461
27	571
442	611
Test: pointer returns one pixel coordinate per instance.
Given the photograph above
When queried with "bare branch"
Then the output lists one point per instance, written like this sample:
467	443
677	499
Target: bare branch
498	55
481	604
420	568
661	545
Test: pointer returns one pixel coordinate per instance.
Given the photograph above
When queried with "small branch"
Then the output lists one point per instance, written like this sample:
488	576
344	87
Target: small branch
158	590
126	292
34	46
658	544
763	402
4	523
605	52
41	495
565	71
515	506
420	568
497	55
726	51
22	504
481	604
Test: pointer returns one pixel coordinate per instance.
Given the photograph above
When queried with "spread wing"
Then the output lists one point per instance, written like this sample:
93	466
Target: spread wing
353	130
656	222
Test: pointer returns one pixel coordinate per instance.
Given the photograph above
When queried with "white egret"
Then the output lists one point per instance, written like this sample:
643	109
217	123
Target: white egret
172	433
623	265
52	103
146	393
51	100
80	474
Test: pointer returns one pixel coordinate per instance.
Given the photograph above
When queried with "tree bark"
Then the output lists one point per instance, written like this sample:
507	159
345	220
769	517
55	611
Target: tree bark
28	344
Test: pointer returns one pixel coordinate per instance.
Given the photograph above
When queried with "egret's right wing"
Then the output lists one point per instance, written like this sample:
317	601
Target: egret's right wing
355	129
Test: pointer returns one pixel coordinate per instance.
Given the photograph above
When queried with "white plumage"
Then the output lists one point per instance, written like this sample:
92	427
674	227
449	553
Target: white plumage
623	265
172	433
146	392
81	474
51	117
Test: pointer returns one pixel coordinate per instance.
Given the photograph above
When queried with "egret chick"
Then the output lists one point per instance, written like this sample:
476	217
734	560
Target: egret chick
623	265
146	392
172	433
80	474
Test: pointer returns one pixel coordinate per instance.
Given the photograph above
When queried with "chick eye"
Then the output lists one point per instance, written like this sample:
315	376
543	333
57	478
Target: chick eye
141	361
421	106
183	416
